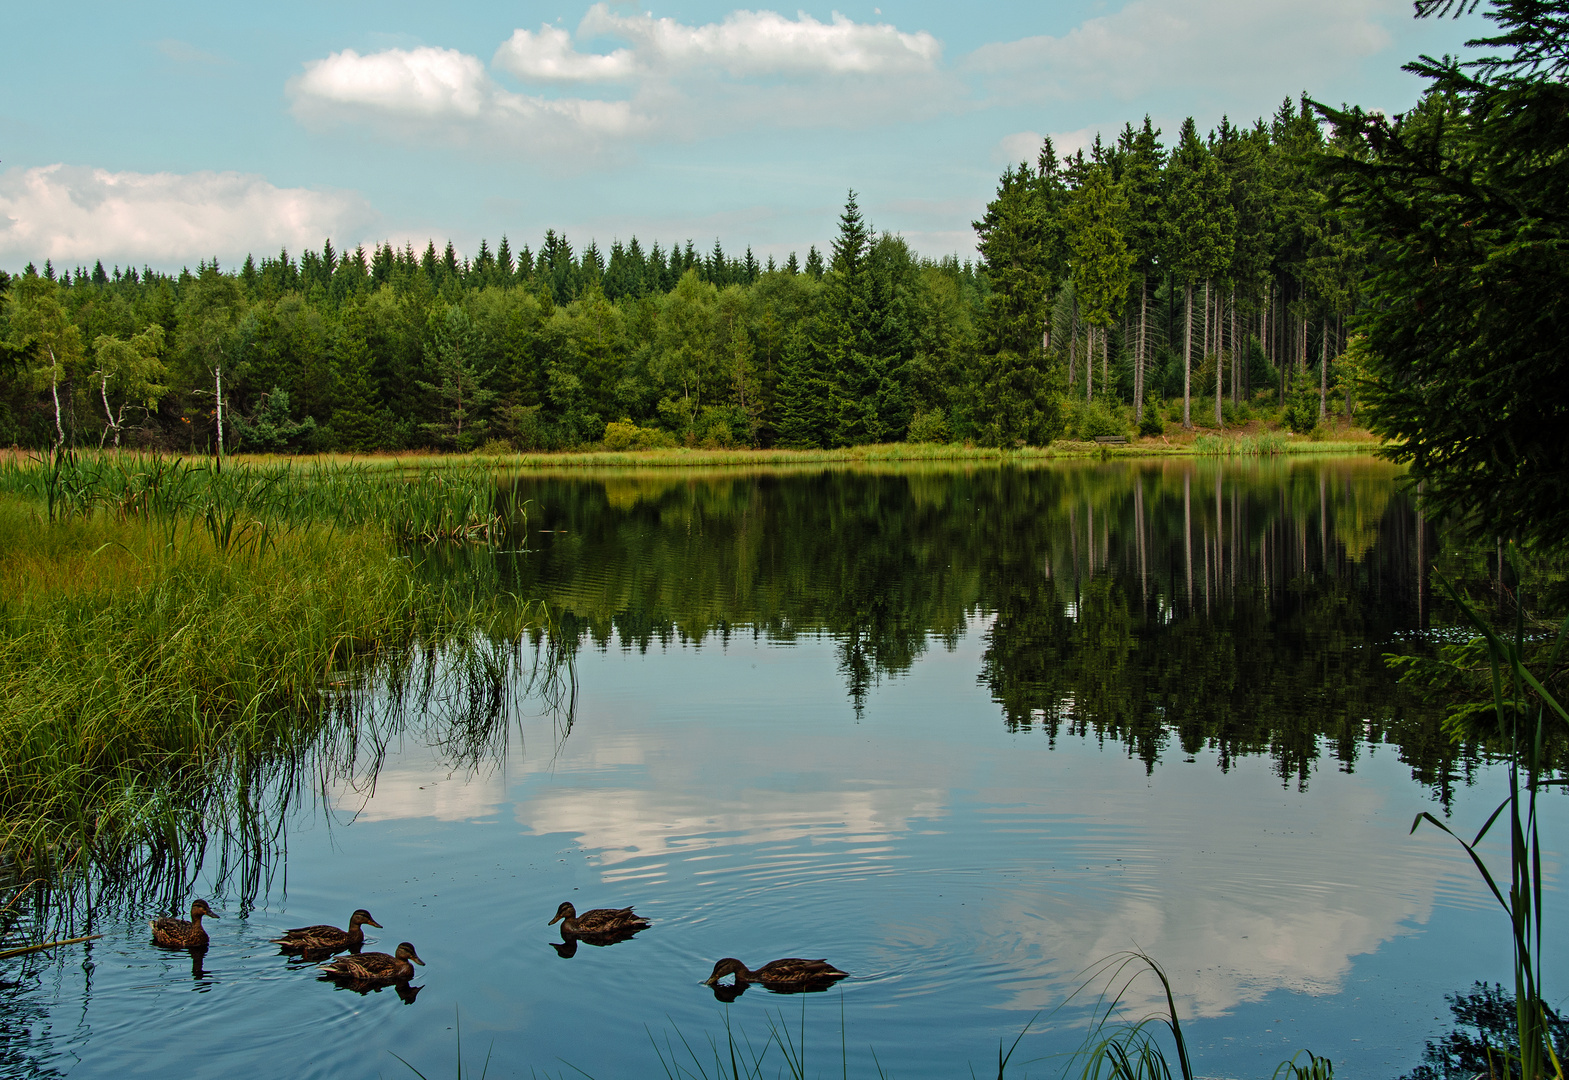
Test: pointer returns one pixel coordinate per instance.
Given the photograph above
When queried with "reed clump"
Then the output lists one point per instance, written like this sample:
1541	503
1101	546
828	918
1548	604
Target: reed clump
167	638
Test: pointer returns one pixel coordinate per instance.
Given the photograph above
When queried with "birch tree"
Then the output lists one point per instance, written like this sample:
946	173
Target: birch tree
209	316
38	317
134	371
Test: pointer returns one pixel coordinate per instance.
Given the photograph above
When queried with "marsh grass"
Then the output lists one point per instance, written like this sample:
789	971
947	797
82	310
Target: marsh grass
249	505
181	653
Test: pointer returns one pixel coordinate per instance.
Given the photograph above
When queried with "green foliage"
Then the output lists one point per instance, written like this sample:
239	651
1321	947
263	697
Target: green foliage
1301	412
1095	418
1466	200
930	426
625	435
272	428
1150	424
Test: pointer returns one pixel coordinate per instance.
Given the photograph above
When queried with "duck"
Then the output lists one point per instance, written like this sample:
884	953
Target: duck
327	939
787	975
375	967
179	934
598	922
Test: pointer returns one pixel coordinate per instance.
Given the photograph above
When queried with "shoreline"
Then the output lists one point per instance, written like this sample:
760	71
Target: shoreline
689	457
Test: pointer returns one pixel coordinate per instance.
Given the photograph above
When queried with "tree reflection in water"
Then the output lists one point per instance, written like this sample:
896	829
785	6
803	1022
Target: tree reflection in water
1168	605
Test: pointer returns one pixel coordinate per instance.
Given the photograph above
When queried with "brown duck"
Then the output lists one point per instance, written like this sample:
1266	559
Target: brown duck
326	939
179	934
375	967
788	975
599	921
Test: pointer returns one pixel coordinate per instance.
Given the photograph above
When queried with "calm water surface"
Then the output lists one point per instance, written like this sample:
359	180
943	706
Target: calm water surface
963	733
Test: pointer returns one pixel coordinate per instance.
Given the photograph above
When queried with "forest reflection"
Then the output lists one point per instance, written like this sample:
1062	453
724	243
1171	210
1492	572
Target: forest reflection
1167	605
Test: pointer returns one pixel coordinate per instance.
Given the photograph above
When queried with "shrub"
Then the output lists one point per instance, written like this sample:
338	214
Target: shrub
1094	418
625	435
930	426
1301	412
1150	424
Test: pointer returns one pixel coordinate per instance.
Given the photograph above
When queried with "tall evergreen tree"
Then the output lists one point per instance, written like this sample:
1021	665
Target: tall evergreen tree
1018	388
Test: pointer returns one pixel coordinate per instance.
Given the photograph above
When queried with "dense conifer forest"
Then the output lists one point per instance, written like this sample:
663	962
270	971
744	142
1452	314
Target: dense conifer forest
1186	278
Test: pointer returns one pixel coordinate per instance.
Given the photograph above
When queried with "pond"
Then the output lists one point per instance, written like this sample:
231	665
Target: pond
966	733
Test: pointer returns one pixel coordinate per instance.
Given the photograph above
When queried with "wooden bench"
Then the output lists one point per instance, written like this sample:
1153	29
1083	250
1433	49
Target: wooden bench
1111	440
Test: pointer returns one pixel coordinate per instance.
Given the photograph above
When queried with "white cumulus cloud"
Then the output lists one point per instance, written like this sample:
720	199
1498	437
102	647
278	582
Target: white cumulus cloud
659	79
73	213
442	94
745	43
425	82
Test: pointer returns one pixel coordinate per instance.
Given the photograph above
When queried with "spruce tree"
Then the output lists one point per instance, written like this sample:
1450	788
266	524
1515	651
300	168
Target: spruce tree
1018	390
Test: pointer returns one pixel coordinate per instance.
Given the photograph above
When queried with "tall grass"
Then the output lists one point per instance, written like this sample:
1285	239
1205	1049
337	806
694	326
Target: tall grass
1262	444
249	504
177	647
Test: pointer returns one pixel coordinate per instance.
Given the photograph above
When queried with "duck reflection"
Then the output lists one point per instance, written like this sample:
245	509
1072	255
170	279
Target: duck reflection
566	948
199	972
405	992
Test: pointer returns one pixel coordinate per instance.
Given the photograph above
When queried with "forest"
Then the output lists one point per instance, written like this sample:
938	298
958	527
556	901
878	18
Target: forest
1127	285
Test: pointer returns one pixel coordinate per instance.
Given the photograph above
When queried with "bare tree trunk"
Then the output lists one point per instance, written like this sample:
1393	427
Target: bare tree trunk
1089	362
1073	344
1236	365
1323	372
1187	356
217	397
1220	368
1138	363
1105	359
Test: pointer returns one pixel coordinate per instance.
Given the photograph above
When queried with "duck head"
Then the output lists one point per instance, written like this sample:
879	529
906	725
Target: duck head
565	911
200	908
362	918
728	966
406	952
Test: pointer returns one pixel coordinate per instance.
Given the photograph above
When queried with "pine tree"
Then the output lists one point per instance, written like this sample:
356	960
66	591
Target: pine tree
1102	261
1203	232
1140	162
1018	389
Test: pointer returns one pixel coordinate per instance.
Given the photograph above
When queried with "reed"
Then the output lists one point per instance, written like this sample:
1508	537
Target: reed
159	671
250	504
1522	715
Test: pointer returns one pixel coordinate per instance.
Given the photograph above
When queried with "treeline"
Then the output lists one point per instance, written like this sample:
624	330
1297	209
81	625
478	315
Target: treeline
1109	279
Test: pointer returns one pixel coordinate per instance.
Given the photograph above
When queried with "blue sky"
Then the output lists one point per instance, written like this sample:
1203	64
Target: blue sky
166	133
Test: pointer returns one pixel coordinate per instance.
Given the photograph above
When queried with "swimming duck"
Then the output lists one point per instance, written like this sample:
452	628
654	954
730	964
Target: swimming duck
326	939
785	976
179	934
605	921
376	967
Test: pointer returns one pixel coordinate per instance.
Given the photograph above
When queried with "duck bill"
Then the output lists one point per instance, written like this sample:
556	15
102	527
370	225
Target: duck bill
711	980
373	922
417	960
554	921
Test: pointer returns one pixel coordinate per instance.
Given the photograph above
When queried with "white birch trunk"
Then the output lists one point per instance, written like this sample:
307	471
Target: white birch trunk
217	398
54	391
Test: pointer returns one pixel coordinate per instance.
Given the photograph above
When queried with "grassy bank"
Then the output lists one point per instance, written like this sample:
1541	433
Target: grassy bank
336	469
161	663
